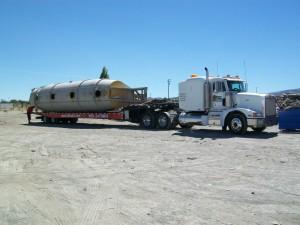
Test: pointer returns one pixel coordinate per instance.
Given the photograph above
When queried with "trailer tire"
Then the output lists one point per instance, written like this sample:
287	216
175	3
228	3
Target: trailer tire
64	120
237	123
164	121
73	120
46	119
148	120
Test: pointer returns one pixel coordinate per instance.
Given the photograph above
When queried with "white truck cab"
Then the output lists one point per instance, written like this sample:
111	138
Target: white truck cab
224	102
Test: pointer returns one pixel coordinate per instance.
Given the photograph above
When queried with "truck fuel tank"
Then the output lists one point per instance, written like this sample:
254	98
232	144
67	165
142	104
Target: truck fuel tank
193	119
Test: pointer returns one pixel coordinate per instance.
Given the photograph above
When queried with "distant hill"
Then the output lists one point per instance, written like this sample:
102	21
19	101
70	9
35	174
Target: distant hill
289	91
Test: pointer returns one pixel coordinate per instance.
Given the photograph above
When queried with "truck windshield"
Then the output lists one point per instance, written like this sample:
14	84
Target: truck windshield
237	86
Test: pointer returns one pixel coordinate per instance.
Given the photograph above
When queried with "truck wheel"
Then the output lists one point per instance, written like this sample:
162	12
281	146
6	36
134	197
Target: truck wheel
237	124
163	121
258	129
148	120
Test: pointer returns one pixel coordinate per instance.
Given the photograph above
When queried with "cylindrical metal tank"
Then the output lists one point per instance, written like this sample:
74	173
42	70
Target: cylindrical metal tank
98	95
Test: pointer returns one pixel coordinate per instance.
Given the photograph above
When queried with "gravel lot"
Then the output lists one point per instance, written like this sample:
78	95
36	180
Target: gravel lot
114	173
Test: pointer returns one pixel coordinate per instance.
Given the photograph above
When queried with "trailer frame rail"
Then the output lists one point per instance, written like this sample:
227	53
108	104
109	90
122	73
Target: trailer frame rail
87	115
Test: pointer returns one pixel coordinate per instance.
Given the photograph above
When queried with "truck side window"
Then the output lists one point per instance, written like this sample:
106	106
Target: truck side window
220	86
223	87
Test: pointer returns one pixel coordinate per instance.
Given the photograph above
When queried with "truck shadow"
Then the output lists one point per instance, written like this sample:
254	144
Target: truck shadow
85	126
195	133
218	134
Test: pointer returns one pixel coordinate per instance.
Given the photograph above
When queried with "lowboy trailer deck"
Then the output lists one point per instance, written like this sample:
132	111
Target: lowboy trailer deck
152	114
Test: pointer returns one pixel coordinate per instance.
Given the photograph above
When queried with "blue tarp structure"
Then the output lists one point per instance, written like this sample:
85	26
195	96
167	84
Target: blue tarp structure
289	119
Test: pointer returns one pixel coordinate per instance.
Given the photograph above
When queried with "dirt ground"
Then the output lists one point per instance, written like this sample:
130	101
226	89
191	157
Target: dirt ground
114	173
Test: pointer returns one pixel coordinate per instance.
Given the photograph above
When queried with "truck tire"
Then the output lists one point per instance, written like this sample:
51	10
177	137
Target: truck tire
164	121
258	129
148	121
224	128
237	124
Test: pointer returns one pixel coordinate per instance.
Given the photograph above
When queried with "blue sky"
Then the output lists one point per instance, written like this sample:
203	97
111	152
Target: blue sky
143	43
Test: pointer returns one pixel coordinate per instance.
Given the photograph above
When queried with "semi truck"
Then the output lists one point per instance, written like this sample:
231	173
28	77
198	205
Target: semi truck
208	100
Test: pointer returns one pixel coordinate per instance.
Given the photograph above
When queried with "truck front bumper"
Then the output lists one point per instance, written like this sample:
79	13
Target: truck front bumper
262	122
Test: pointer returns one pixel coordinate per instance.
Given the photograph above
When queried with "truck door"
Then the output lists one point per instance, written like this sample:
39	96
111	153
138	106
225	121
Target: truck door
218	95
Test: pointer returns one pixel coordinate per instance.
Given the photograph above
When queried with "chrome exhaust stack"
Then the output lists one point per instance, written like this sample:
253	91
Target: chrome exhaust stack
207	91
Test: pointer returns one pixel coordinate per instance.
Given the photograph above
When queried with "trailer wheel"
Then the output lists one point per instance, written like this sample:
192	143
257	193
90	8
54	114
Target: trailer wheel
258	129
73	120
46	119
164	121
148	120
237	124
54	120
63	120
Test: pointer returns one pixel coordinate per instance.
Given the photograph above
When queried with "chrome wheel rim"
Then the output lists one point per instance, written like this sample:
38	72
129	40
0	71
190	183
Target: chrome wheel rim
236	124
147	121
163	121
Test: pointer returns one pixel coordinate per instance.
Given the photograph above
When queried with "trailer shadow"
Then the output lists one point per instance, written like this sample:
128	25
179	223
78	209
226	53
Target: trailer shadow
218	134
85	126
195	133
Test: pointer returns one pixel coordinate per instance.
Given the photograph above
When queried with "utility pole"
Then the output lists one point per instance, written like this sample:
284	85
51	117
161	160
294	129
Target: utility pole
169	83
256	89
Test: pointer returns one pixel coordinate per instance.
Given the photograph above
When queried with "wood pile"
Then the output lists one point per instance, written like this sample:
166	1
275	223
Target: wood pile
287	101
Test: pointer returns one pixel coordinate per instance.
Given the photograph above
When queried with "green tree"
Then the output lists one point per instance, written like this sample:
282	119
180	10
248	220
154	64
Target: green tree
104	74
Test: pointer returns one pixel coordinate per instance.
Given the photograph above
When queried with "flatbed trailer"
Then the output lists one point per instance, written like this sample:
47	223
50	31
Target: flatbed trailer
153	114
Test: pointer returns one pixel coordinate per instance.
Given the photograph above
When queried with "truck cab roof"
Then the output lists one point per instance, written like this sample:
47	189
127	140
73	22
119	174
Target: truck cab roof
232	78
214	78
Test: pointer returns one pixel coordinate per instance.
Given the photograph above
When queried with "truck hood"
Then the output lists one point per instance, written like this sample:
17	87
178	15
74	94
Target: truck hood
253	101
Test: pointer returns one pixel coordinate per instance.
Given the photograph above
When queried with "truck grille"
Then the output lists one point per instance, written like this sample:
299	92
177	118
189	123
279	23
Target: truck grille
270	106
